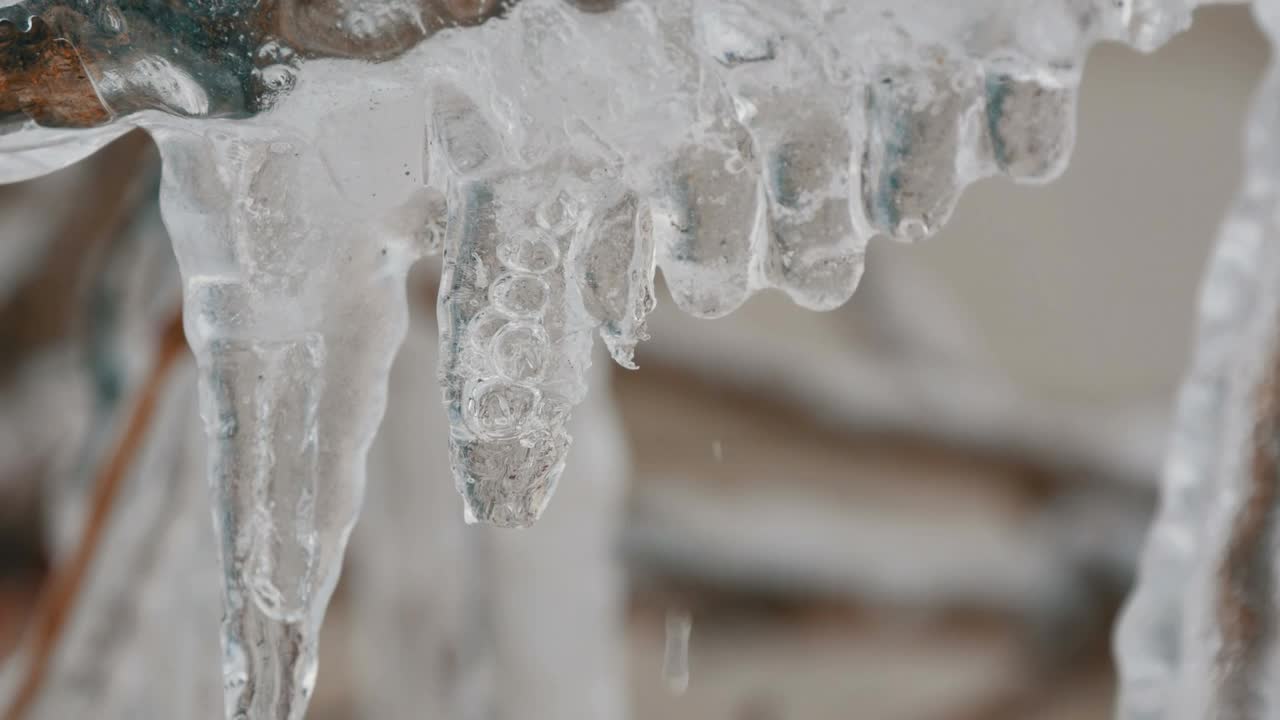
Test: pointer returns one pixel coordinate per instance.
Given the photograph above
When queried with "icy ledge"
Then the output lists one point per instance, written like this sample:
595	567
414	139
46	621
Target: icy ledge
558	153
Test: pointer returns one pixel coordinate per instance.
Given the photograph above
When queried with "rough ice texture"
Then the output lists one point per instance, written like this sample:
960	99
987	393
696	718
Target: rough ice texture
558	153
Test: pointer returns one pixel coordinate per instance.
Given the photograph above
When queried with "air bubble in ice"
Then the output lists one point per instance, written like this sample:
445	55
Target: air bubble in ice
500	409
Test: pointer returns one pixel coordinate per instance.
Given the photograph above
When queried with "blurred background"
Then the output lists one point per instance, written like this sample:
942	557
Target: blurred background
926	505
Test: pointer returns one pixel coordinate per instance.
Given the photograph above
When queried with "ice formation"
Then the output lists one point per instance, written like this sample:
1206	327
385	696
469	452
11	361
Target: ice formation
1197	639
558	153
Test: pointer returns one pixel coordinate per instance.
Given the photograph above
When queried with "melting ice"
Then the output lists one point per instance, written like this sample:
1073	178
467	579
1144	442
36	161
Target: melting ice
558	153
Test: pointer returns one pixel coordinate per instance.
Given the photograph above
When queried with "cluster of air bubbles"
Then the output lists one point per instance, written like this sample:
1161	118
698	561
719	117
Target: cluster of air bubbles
515	402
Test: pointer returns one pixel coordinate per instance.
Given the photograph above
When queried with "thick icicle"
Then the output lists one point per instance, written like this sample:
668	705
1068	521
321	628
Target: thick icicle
513	358
294	308
803	144
706	220
524	284
1197	637
547	241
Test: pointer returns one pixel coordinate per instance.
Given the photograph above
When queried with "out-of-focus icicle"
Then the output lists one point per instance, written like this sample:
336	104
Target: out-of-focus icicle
564	573
473	627
1197	638
142	641
415	653
169	666
675	656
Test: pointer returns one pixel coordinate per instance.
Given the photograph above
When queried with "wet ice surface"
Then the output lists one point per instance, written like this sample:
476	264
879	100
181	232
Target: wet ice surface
558	154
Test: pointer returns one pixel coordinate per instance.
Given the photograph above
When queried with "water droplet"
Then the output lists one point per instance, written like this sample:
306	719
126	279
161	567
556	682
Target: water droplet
675	660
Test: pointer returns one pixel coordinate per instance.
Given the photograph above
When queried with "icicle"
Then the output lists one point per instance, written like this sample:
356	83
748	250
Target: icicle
546	242
1197	636
804	146
1030	122
706	223
294	308
514	357
917	123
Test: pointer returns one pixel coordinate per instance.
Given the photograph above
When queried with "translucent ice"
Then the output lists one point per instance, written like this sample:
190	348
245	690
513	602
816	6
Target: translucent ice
559	153
292	378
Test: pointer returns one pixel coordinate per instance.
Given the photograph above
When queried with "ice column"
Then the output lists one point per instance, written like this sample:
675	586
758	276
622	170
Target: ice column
293	269
417	653
1197	638
548	243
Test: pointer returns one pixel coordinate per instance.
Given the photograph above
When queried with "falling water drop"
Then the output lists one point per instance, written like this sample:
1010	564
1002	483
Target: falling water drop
675	660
